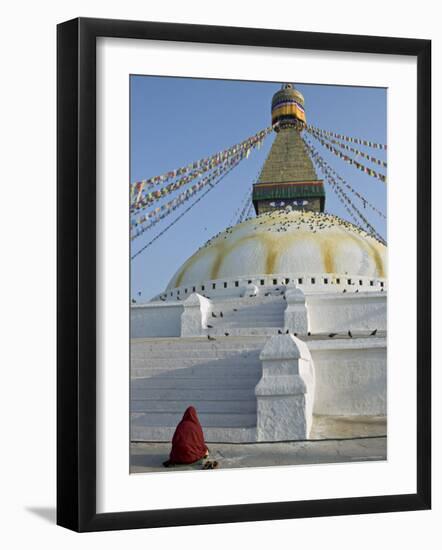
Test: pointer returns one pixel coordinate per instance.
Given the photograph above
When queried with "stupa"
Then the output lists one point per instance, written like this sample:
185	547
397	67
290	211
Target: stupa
272	324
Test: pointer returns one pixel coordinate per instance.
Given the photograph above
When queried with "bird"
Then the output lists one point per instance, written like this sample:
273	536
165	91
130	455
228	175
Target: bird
213	314
178	298
309	333
226	334
374	332
345	290
267	293
287	331
332	334
139	293
234	309
295	334
350	335
162	298
357	290
221	314
209	326
210	337
279	331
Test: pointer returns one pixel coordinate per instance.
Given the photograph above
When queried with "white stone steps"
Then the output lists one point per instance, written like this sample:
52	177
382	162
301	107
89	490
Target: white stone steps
227	383
257	323
241	309
250	315
184	362
198	394
277	323
211	435
246	331
211	349
246	311
217	377
247	315
194	372
197	370
252	309
202	406
242	359
210	362
218	420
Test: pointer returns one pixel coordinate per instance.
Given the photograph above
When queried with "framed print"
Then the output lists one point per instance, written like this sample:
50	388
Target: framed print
243	274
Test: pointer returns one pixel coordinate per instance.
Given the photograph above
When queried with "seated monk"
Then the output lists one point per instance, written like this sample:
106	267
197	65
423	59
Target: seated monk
188	444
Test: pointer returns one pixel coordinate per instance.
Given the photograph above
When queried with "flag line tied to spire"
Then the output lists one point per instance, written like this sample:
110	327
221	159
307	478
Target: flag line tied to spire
142	195
217	166
147	220
330	174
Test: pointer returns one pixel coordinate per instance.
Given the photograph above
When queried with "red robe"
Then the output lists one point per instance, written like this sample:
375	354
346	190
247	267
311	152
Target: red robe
188	440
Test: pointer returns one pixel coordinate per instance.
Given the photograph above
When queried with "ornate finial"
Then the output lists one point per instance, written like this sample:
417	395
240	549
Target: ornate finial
288	108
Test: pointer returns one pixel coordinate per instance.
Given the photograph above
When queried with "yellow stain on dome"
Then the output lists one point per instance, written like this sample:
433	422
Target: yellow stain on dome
378	261
221	252
328	247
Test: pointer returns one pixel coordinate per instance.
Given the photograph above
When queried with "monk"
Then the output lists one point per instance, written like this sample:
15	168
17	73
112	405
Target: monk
188	444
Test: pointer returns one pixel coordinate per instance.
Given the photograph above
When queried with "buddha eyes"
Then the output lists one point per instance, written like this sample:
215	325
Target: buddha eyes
299	202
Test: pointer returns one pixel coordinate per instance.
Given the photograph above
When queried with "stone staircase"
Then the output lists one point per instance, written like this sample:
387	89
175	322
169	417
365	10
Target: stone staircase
218	377
259	315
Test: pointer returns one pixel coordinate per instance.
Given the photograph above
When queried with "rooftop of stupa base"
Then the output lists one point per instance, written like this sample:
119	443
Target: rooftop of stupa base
273	284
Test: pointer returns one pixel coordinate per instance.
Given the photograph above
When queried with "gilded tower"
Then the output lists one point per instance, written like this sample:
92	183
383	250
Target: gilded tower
288	178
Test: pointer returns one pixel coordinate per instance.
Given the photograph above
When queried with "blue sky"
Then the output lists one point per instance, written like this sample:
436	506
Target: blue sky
175	121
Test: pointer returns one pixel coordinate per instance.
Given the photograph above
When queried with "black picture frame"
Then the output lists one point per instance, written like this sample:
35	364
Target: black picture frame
76	274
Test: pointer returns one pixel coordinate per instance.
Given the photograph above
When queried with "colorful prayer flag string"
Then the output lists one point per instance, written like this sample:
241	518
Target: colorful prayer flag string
348	148
243	214
364	201
159	213
250	212
177	219
350	160
361	141
142	188
334	184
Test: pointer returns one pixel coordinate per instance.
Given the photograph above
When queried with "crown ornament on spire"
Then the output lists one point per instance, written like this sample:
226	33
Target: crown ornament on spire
288	109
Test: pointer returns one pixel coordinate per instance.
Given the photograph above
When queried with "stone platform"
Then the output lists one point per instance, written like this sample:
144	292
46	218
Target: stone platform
333	440
148	457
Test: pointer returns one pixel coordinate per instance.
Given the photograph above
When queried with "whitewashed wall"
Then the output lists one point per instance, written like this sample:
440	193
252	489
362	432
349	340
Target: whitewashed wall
341	312
351	376
155	320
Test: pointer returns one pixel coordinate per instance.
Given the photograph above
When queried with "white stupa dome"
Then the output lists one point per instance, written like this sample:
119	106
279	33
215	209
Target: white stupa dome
285	242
